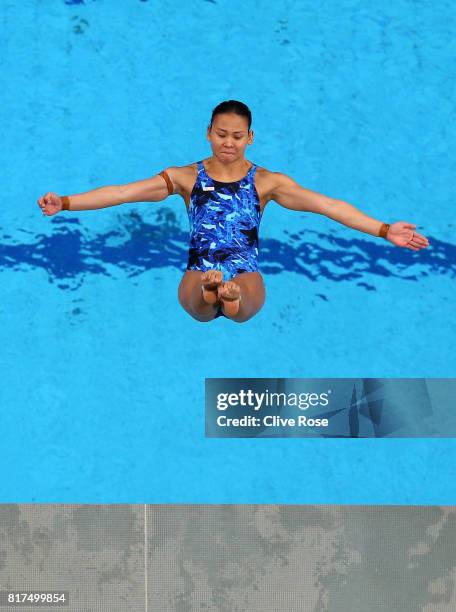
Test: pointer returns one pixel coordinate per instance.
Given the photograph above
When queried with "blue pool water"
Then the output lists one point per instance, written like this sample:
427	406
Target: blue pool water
102	371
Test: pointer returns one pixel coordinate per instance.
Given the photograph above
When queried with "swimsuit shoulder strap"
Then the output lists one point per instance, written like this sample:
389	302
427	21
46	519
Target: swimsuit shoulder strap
251	173
202	178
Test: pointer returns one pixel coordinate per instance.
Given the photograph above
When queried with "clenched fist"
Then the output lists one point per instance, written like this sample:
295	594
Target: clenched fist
50	203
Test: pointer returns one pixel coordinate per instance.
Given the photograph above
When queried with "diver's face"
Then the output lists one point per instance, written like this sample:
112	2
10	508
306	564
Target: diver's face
229	136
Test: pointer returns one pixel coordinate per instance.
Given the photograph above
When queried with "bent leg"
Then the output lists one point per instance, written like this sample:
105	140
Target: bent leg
190	295
252	296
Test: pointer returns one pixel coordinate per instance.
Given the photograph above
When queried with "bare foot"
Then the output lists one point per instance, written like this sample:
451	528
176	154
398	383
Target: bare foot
211	281
229	294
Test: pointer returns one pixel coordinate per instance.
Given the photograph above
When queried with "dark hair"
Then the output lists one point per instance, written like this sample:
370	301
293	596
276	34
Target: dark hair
232	106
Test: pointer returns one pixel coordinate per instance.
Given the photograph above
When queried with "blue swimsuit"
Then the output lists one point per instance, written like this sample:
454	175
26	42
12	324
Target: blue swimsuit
224	221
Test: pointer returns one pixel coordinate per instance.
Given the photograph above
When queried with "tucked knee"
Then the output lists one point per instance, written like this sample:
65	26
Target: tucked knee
201	318
242	318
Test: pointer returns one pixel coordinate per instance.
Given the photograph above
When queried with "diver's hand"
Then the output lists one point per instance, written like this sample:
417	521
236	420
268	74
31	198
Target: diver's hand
50	203
403	234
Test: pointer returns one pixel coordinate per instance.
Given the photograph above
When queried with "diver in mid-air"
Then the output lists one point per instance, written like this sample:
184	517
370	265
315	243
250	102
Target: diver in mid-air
222	277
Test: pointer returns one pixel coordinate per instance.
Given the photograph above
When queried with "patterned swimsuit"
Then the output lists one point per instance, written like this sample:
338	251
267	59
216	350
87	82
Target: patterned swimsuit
224	221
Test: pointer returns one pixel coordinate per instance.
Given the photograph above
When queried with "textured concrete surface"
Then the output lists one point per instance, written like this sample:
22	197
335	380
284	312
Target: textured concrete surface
94	552
302	558
233	558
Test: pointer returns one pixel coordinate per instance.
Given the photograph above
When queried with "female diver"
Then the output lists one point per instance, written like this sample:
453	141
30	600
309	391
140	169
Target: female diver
225	196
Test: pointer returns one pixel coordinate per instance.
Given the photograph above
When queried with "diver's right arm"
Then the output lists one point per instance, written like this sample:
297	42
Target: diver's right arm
149	190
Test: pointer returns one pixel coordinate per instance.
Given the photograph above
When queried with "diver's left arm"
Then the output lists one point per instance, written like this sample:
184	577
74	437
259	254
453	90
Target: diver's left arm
291	195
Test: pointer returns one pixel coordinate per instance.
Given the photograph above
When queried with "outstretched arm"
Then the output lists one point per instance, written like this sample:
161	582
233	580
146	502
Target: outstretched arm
149	190
291	195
